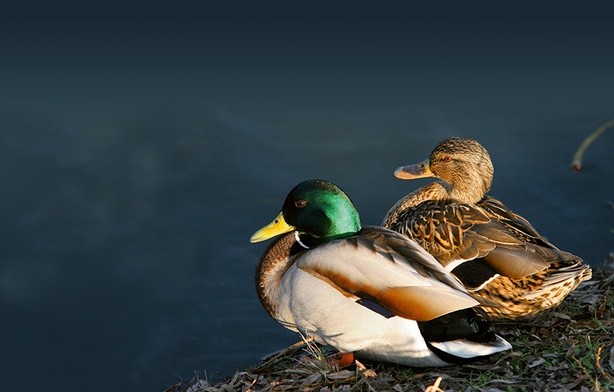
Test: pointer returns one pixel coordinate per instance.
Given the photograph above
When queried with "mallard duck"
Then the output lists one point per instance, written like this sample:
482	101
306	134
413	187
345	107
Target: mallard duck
366	291
496	253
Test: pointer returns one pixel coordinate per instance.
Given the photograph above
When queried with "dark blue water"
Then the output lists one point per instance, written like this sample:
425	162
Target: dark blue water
139	155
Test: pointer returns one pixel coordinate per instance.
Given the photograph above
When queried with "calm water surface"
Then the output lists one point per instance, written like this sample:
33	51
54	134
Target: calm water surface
128	202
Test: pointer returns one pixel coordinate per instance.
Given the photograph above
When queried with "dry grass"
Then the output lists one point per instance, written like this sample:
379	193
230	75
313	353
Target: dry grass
570	348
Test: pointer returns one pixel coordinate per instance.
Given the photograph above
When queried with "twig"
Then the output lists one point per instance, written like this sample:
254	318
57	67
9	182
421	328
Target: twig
283	353
435	386
576	163
598	365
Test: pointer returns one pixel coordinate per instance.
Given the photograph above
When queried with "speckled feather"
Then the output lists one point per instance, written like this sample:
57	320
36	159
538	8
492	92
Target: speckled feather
479	236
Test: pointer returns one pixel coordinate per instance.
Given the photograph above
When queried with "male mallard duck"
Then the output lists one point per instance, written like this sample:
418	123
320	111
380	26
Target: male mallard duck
497	254
368	291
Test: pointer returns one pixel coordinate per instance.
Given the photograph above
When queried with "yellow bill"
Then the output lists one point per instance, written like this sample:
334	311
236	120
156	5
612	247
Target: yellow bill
277	227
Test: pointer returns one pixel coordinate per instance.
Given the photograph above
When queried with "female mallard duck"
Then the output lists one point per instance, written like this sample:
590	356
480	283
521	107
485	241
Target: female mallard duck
495	253
368	291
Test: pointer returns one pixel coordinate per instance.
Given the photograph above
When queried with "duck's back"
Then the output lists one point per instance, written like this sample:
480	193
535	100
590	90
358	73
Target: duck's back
497	254
495	209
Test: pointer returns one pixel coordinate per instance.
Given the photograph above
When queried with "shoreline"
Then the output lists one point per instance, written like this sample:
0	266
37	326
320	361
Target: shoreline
568	348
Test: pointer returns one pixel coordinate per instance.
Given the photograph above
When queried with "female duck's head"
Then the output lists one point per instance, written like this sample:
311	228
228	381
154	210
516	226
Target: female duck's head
463	163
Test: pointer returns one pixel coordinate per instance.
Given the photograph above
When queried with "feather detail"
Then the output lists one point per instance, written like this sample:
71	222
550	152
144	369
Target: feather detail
497	254
464	349
358	266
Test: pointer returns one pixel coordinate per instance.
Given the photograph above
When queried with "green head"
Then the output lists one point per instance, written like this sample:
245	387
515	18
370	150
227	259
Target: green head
317	209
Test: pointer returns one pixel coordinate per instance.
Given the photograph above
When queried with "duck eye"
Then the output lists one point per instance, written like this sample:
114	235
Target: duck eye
300	203
447	158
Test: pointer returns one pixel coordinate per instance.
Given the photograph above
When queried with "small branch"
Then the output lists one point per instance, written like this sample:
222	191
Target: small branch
576	163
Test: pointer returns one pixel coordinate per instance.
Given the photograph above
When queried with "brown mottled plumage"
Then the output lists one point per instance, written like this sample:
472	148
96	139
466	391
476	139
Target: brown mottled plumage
497	254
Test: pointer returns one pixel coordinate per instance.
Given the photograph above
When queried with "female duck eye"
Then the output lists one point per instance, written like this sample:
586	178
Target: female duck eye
300	203
447	158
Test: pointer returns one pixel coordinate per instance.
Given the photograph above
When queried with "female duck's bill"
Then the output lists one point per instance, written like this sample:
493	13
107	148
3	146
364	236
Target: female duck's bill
368	290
